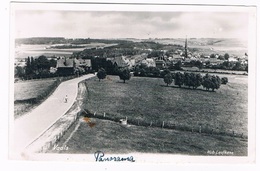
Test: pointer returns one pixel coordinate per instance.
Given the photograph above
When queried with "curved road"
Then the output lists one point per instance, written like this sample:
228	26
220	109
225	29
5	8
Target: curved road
31	125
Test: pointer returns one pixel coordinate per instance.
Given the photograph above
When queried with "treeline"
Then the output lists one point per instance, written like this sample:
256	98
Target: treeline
227	65
41	40
125	48
194	81
36	68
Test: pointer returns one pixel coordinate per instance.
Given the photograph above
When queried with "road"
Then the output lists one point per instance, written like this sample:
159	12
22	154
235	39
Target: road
31	125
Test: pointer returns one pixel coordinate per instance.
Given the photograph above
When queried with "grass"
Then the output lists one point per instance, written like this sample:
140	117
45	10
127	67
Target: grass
111	137
147	99
28	94
32	88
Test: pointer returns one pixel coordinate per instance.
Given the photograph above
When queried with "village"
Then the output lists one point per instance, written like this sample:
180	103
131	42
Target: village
170	57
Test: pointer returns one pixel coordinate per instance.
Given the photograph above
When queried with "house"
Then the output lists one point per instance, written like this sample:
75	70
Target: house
215	61
65	66
160	64
232	59
84	63
149	62
121	62
176	58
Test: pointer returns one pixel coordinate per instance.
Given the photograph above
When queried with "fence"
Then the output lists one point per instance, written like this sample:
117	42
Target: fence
201	129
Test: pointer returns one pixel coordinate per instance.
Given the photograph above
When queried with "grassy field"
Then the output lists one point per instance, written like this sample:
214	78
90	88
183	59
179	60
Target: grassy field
147	99
28	93
111	137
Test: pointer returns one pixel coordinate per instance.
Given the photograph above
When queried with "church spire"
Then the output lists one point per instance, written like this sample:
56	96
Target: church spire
186	50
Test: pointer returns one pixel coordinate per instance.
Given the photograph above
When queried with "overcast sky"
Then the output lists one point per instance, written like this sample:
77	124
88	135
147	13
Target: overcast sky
79	24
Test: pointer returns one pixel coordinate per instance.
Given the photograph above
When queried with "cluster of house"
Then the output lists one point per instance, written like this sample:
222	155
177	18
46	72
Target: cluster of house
178	55
68	65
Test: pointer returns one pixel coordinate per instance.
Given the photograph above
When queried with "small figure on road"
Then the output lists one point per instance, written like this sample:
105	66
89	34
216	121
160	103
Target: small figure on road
66	99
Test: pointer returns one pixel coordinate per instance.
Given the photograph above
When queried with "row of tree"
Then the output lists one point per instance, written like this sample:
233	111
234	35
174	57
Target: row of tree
190	80
194	80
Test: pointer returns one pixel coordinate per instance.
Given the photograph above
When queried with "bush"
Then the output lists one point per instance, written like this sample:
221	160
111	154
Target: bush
224	80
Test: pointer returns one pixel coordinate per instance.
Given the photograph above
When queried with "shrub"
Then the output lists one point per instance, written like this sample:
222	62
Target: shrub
224	80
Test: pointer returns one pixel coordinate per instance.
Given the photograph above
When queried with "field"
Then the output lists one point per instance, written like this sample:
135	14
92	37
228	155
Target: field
208	46
28	93
25	50
111	137
148	99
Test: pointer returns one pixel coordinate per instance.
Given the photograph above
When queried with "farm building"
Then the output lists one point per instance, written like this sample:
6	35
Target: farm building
122	62
65	66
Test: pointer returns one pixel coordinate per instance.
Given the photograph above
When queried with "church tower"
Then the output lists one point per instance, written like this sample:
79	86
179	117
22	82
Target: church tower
186	50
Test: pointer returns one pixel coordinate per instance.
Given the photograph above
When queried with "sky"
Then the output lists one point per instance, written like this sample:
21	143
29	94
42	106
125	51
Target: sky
104	24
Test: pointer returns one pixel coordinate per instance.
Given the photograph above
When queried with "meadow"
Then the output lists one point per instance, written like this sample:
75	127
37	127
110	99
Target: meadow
148	99
27	94
113	138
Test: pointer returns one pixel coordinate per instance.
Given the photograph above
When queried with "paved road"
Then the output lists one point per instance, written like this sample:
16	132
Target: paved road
31	125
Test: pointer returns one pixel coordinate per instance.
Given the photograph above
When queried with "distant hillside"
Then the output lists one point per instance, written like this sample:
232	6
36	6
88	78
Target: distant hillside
61	40
41	40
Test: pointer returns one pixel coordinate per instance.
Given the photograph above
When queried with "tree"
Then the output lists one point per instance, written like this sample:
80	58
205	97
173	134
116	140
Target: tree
42	65
154	71
198	64
192	80
187	79
53	63
179	79
224	80
216	82
212	55
19	72
28	69
238	66
211	81
226	56
178	65
124	74
101	74
198	81
206	83
226	65
168	79
165	72
221	57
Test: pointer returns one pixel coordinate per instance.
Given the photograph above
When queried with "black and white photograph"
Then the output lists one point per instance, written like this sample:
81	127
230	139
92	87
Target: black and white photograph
132	83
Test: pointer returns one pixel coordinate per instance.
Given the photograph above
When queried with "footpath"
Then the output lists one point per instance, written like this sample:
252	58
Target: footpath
30	126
